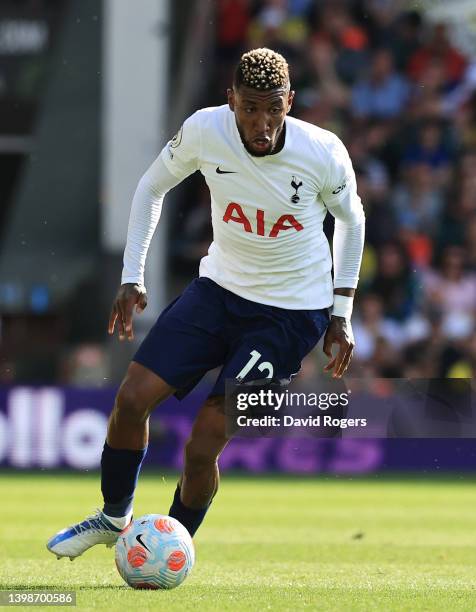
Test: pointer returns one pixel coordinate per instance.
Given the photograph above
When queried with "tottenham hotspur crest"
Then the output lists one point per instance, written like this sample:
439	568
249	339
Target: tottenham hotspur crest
295	185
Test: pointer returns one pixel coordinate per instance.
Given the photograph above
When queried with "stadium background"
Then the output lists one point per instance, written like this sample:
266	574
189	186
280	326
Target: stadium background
90	90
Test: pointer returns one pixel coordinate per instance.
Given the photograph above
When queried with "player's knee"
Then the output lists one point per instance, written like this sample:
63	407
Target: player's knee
129	405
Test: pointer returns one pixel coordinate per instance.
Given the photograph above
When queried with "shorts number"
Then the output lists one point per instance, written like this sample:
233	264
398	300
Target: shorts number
264	365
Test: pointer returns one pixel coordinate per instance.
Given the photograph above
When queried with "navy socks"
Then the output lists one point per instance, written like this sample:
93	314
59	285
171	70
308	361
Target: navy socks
190	519
119	473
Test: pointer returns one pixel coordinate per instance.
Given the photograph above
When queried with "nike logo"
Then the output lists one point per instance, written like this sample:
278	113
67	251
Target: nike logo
139	539
218	171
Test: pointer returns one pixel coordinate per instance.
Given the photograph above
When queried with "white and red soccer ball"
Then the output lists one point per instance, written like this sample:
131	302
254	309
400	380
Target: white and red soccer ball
154	552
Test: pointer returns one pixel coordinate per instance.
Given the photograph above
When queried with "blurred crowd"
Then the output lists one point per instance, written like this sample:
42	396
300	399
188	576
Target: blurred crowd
402	96
397	86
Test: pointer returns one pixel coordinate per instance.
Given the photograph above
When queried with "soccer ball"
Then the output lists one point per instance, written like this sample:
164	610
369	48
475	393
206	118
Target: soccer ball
154	552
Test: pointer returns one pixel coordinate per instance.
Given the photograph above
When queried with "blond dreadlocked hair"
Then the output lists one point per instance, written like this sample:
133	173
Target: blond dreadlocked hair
262	69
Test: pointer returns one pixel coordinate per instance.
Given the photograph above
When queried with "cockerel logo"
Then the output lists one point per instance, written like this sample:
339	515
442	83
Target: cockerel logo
295	185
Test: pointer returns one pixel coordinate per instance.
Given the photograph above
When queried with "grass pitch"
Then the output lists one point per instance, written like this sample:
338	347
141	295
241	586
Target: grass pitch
267	544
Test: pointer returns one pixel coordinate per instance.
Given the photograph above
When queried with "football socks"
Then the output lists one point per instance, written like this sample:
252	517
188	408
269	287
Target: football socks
191	519
119	473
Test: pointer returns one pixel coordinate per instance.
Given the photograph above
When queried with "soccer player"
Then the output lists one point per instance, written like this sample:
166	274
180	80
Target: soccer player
262	299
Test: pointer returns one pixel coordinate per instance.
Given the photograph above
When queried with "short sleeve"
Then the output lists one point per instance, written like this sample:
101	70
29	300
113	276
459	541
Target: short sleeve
181	154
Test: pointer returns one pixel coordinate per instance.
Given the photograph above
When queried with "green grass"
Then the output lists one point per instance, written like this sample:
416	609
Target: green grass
267	544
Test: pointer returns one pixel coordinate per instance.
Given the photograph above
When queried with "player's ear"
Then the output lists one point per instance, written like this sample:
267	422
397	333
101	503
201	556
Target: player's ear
290	100
231	98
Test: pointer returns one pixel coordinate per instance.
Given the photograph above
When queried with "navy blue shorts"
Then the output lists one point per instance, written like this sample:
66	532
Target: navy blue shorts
208	326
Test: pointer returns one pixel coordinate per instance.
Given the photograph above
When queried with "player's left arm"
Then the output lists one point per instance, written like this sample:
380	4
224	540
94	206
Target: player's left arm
341	199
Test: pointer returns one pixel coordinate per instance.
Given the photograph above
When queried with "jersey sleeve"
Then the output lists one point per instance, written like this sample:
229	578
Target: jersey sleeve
339	192
341	199
181	155
145	214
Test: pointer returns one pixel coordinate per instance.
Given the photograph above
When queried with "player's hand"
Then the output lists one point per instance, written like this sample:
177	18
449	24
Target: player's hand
128	296
339	332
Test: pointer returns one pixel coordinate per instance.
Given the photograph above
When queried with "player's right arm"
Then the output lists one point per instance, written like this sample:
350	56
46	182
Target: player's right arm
128	296
178	159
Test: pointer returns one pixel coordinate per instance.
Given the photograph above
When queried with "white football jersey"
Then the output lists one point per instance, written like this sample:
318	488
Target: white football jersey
267	212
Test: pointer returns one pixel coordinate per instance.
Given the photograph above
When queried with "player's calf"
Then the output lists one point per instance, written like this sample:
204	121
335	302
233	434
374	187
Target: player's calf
127	437
200	477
